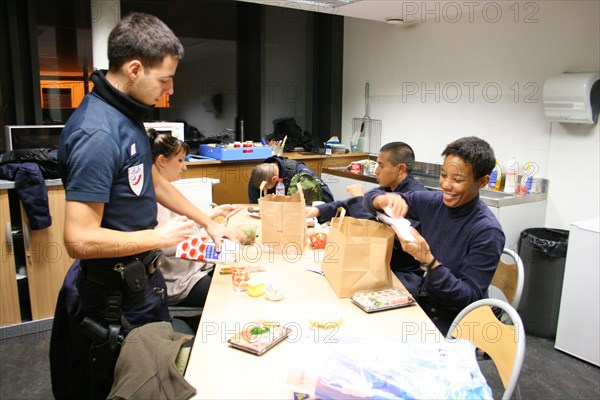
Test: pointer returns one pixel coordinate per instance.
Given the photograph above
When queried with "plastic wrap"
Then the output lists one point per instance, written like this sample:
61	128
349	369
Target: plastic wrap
360	368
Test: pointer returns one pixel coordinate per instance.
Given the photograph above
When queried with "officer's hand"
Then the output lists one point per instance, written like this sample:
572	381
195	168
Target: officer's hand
222	210
218	232
174	231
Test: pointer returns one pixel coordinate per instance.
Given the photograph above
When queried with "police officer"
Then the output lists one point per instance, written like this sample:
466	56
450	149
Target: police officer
105	163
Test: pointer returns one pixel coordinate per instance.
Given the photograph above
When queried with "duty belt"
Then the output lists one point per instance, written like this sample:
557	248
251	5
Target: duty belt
122	278
106	271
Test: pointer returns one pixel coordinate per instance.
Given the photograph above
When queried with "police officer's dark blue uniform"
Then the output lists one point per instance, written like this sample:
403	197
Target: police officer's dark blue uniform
112	143
110	215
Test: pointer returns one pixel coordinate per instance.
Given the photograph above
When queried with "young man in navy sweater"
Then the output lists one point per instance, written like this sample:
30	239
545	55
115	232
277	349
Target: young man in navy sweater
395	163
460	240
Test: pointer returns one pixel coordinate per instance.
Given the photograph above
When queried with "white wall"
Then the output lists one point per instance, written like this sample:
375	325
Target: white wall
482	73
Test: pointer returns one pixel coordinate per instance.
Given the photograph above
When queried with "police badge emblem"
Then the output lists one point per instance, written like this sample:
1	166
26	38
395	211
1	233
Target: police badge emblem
136	178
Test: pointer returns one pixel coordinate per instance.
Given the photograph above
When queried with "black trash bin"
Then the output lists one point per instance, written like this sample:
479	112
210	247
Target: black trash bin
543	252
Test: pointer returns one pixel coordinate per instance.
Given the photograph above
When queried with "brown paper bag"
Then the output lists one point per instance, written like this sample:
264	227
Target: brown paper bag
357	256
283	220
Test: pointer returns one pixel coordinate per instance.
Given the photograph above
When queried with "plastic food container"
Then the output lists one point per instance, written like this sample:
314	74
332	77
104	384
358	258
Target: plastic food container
382	299
256	287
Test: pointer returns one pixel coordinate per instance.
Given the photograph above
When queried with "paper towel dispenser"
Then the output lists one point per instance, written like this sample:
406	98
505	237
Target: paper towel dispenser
572	98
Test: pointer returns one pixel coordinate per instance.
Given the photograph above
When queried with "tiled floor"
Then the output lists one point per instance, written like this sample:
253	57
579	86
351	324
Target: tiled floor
547	372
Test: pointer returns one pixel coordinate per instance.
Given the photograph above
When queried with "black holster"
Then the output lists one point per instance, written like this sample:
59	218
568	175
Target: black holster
123	278
105	347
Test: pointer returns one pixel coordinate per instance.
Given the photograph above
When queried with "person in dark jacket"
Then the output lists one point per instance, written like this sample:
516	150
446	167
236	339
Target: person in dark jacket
274	168
460	240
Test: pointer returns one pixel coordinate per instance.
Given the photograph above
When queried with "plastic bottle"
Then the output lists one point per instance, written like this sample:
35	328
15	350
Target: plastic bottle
527	179
280	188
512	175
495	177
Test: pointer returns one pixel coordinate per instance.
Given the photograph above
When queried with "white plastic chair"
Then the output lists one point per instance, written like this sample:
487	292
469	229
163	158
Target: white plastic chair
505	344
199	192
509	279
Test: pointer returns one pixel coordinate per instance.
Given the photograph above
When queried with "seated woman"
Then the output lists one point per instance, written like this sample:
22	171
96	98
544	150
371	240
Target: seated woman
187	281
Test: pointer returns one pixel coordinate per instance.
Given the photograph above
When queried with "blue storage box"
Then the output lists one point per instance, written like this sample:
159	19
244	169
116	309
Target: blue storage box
238	153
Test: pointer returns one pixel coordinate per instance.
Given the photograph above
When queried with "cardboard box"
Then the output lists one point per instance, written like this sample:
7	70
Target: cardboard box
239	153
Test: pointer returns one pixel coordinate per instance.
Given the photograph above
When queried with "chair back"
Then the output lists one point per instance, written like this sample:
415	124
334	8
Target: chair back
505	344
510	277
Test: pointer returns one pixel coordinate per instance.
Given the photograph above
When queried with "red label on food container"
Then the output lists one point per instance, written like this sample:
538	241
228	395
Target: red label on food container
355	168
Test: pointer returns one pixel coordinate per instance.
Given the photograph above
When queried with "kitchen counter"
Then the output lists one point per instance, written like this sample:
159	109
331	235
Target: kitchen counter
490	197
515	213
234	175
294	155
11	184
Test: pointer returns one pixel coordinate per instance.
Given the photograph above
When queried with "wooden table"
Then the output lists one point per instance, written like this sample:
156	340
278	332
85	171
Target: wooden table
218	371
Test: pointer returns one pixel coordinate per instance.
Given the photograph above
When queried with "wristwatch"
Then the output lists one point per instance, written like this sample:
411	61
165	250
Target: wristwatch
427	267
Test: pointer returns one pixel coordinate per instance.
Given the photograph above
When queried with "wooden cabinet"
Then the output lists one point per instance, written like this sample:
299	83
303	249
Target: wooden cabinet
10	312
46	257
233	177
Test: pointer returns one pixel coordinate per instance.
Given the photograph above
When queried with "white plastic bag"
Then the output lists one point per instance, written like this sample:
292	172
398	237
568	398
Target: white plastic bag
389	369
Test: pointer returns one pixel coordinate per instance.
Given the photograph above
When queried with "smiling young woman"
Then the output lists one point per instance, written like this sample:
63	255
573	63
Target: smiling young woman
458	181
459	241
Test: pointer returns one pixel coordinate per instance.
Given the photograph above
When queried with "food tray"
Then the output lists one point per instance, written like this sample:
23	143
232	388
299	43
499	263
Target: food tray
261	343
382	299
236	153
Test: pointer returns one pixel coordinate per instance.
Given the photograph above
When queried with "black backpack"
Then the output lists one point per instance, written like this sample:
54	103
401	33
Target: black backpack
296	137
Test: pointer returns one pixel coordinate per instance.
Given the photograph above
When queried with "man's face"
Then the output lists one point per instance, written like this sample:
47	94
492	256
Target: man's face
458	183
153	83
388	175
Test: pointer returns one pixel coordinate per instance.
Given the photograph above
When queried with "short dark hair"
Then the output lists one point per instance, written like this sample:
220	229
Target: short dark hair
400	153
263	172
165	144
142	36
474	151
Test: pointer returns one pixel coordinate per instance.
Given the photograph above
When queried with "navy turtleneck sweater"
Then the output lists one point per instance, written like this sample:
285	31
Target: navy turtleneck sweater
467	241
